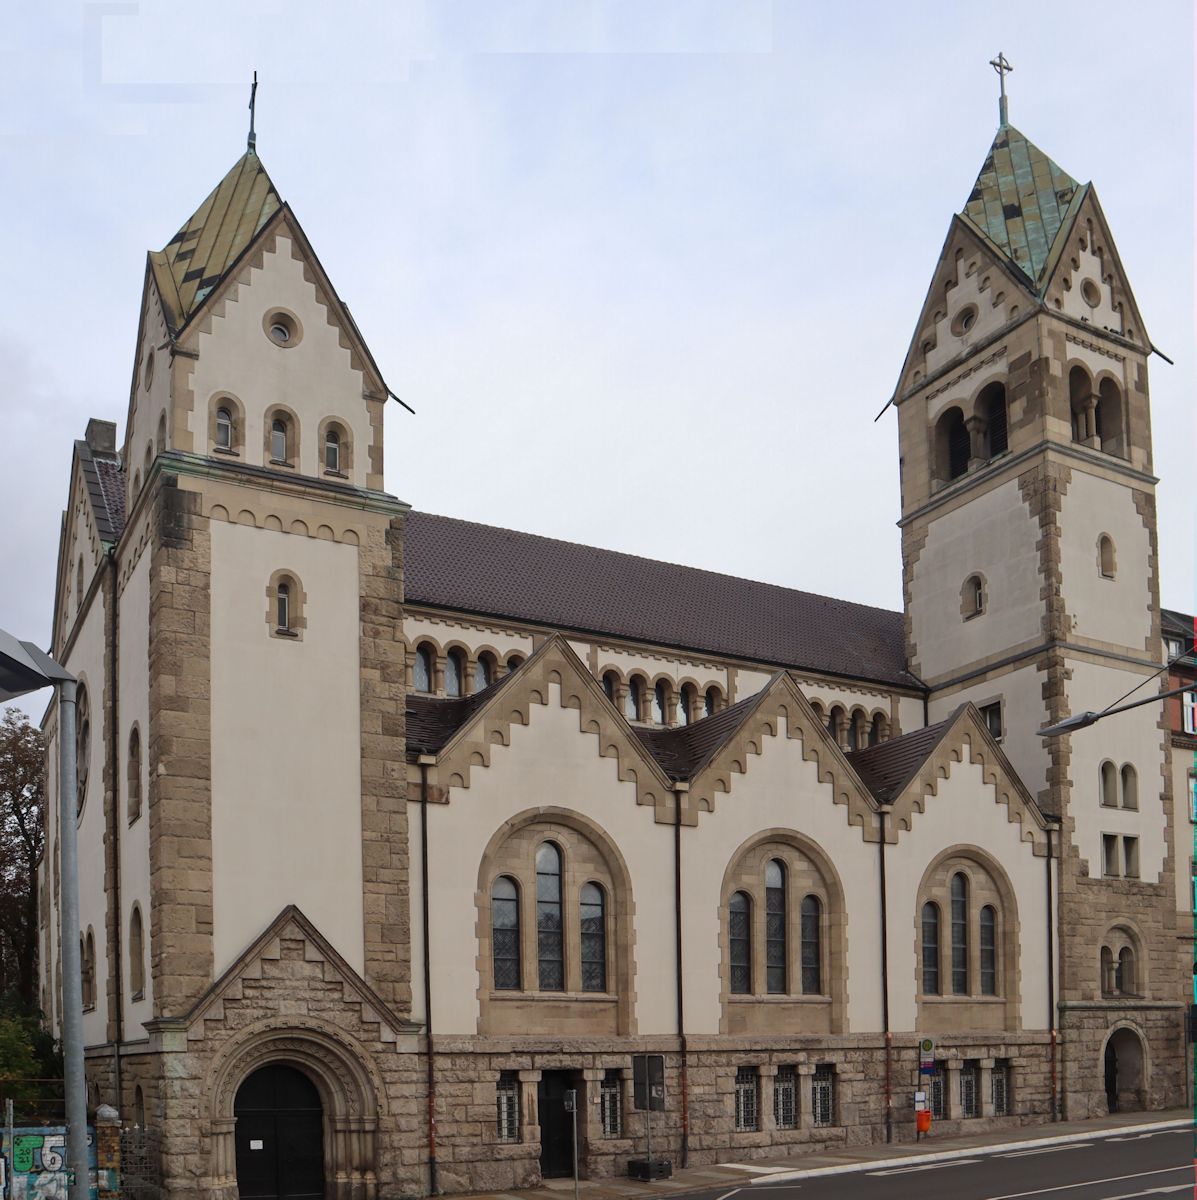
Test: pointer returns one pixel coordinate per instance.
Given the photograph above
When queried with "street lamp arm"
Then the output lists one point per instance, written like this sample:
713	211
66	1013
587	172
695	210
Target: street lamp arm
1084	719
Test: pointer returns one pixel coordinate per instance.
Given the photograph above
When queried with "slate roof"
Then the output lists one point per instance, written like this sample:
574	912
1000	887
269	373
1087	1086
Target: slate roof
195	260
1021	201
482	569
105	489
683	751
885	769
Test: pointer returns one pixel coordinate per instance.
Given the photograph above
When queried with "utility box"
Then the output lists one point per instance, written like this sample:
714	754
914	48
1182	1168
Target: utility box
646	1172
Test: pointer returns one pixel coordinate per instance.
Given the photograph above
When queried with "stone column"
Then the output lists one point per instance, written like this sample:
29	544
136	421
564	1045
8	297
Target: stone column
952	1084
806	1101
767	1117
977	456
529	1107
986	1085
1091	438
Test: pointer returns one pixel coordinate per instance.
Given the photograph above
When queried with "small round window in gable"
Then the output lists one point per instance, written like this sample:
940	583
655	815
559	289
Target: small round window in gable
282	329
964	320
1090	293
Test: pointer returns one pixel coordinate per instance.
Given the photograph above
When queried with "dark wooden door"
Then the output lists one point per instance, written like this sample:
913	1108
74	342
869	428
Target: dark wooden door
280	1136
556	1128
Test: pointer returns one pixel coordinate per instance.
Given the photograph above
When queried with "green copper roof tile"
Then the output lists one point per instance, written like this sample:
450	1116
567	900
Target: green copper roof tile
1020	202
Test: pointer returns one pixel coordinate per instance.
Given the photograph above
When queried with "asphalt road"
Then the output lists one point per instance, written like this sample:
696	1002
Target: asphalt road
1122	1167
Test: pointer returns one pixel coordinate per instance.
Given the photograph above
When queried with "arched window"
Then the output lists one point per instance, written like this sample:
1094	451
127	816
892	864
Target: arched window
82	745
1106	562
685	704
739	936
79	584
224	428
89	970
991	407
775	927
1124	975
852	734
332	450
136	955
1109	418
836	720
988	951
278	440
421	674
959	935
877	730
611	685
138	1107
1107	971
711	701
951	446
133	775
930	924
454	672
1081	404
149	459
1109	785
161	443
812	946
505	933
550	948
136	483
592	907
661	703
972	600
484	672
633	699
514	661
282	606
1130	786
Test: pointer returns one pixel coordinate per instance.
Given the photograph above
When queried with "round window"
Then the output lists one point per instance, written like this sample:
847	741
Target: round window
1090	293
281	328
964	320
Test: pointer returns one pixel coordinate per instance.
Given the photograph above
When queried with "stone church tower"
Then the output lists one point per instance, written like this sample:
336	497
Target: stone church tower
1031	579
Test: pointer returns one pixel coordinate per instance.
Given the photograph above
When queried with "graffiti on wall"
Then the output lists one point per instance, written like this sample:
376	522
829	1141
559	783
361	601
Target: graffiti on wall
37	1162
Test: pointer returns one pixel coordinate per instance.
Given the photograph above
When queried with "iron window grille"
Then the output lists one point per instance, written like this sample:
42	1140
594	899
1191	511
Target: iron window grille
785	1098
937	1092
1000	1088
507	1106
611	1104
747	1099
970	1090
822	1096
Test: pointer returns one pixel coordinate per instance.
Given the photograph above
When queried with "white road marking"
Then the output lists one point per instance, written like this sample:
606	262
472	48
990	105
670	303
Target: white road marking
728	1195
936	1166
1046	1150
1160	1191
1065	1187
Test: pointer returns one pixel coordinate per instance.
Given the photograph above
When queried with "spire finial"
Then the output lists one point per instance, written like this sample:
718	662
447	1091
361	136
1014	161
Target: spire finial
252	144
1003	68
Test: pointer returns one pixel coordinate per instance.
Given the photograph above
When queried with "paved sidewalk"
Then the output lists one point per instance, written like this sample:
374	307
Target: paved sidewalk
732	1175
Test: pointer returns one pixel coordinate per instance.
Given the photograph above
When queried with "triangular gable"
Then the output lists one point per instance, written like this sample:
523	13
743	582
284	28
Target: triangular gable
555	662
965	737
1005	295
292	925
1086	242
779	706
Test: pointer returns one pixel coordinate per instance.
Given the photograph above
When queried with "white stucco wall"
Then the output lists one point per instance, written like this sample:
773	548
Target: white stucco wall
995	535
313	376
1110	610
286	745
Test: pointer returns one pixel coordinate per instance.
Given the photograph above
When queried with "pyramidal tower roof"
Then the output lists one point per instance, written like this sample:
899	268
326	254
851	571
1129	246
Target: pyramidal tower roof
198	257
1021	202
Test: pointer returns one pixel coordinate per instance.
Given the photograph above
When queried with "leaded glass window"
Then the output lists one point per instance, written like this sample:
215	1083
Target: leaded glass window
739	930
959	935
453	673
661	704
631	700
594	939
785	1098
931	949
775	927
550	950
505	933
988	951
421	675
812	947
484	672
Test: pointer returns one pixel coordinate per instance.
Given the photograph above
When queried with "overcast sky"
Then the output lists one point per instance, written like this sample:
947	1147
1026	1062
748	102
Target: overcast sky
646	269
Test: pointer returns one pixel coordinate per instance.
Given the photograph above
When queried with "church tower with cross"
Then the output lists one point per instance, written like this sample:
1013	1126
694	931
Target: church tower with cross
1031	583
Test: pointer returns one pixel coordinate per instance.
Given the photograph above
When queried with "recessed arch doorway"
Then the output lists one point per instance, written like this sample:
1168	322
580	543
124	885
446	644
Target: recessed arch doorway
279	1136
1124	1071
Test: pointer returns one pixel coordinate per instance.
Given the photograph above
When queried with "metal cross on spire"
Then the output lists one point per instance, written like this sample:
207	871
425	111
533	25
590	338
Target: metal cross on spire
253	99
1003	68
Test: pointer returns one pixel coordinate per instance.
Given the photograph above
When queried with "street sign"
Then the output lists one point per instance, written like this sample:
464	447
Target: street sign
920	1101
648	1082
927	1056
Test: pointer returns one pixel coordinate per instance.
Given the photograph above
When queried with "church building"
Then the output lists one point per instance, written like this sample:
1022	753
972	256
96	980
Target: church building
396	828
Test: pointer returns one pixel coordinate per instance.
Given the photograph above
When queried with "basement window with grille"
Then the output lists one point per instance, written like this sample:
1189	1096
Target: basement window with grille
1000	1087
507	1104
970	1089
747	1099
785	1098
611	1104
822	1096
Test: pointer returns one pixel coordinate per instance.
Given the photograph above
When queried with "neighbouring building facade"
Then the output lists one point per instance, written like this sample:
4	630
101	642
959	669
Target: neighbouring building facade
393	827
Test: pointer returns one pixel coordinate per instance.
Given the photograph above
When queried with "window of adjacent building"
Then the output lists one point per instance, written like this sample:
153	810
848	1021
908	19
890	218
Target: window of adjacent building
454	672
959	889
421	675
1130	786
224	429
822	1096
775	927
133	775
739	927
505	933
507	1106
999	1082
1130	857
747	1099
1189	710
970	1089
594	938
1105	555
1109	855
812	948
1174	648
1193	796
661	703
991	714
785	1098
930	929
550	947
988	929
136	955
611	1104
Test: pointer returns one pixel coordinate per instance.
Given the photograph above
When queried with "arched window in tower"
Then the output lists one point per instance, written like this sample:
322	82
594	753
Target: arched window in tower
161	442
454	672
332	450
739	936
278	440
988	930
1124	973
422	669
972	601
89	970
133	776
1109	785
633	699
82	745
505	933
930	929
1083	404
1130	786
775	927
661	703
136	955
282	602
78	584
1110	418
812	946
592	905
991	408
224	428
959	935
1107	971
550	946
1107	562
951	446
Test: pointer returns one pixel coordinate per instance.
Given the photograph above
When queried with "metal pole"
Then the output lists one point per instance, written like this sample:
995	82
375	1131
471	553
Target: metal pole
72	970
574	1114
648	1116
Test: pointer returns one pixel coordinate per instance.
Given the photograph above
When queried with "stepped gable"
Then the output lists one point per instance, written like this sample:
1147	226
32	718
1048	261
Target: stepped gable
886	769
482	569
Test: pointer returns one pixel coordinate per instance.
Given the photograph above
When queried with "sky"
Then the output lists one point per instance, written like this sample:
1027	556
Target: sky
645	269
